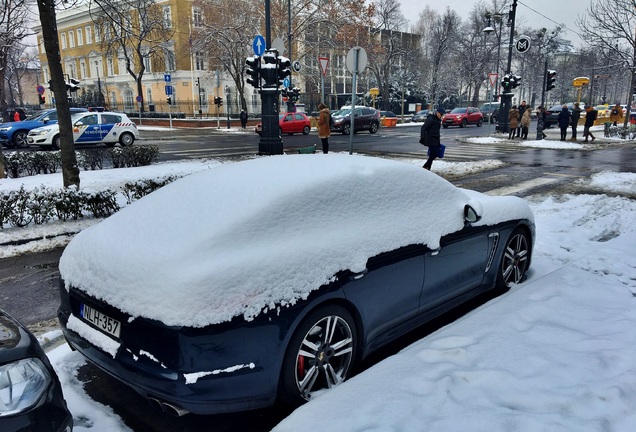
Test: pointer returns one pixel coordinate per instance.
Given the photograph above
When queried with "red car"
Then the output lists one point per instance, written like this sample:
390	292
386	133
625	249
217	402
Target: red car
290	123
463	116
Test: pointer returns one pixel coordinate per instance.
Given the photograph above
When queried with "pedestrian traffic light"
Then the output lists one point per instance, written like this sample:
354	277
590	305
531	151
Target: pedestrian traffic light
72	85
550	79
295	92
505	83
218	100
41	99
253	71
283	70
515	81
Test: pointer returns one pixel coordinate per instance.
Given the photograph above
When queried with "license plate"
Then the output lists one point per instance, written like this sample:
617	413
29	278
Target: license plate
103	322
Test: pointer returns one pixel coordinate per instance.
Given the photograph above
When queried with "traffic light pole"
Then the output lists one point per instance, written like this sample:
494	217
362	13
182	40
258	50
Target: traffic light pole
270	142
506	98
540	125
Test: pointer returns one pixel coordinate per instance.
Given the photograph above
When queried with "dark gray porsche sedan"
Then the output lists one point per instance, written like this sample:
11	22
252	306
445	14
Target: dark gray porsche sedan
271	278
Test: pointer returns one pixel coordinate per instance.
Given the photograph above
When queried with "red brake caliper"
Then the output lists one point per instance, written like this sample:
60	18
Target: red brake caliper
301	367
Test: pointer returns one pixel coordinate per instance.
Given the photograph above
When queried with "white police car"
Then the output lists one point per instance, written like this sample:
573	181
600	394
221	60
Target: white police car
89	128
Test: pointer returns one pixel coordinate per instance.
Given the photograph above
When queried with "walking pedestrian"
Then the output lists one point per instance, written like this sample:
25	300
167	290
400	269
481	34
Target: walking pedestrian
522	109
575	116
243	117
324	126
590	117
564	121
430	136
541	116
616	114
525	123
513	119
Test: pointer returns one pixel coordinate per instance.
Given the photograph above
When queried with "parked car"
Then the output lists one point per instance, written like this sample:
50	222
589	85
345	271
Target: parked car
31	396
14	134
462	117
250	301
365	118
552	114
420	116
290	123
89	128
490	110
388	114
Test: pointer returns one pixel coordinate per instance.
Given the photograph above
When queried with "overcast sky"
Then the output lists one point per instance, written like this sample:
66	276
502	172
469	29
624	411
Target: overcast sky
559	11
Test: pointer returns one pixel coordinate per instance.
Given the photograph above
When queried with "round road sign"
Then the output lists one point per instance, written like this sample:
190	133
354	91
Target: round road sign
523	44
40	89
362	59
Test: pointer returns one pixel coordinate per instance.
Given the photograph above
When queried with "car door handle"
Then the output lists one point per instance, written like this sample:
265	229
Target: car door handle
358	276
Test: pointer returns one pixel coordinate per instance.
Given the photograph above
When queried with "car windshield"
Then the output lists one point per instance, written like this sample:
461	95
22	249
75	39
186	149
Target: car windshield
459	110
487	108
37	116
76	116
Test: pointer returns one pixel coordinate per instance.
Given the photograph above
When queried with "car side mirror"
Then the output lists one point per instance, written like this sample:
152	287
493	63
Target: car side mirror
79	123
45	120
471	215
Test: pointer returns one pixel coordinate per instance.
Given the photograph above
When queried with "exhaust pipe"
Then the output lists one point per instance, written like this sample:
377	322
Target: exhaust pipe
167	408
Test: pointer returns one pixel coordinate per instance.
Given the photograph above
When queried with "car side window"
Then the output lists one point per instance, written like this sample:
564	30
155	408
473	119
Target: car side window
89	120
52	115
110	118
299	117
288	118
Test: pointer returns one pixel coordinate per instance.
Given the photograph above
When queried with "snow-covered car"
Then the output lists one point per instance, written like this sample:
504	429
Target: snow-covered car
289	271
89	128
31	396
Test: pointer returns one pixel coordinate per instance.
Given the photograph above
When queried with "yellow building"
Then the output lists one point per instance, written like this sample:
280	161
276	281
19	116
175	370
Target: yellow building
83	45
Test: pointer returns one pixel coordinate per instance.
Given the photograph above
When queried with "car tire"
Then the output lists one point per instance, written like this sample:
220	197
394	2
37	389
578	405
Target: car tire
480	122
20	139
306	130
346	129
126	139
445	126
55	144
374	127
320	354
515	260
464	123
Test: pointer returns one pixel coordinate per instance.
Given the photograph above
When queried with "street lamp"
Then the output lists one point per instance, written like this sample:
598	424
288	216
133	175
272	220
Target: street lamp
506	97
488	30
228	93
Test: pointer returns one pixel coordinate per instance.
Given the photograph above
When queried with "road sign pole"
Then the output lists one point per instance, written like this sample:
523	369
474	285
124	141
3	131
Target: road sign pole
353	98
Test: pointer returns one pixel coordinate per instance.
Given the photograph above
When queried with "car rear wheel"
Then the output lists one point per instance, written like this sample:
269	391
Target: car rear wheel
306	130
346	129
320	355
126	139
514	263
20	139
374	127
480	122
56	142
464	123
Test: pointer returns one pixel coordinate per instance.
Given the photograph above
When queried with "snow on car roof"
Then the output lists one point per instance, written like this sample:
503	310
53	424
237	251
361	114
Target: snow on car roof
250	236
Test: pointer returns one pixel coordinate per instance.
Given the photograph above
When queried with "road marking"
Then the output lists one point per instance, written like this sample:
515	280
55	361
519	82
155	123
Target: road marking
529	184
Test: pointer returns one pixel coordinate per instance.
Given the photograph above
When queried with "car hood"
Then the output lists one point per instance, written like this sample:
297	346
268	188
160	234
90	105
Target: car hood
46	127
250	236
22	124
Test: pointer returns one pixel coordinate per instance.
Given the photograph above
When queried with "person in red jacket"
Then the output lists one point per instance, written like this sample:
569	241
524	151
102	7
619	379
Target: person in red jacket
16	116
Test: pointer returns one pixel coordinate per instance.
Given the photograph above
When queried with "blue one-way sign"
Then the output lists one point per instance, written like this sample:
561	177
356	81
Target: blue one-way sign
259	45
168	90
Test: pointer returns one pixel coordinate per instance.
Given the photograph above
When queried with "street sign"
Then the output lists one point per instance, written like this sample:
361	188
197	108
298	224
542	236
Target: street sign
296	66
493	79
374	91
523	44
259	45
167	77
138	98
40	89
168	90
362	59
286	82
324	64
580	82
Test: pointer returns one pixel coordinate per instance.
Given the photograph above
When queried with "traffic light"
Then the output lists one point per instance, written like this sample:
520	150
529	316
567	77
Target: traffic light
72	85
283	70
268	68
515	81
505	83
550	79
41	99
295	92
253	71
169	100
218	100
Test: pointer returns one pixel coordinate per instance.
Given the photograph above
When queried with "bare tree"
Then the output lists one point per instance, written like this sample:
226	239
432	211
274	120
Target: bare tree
607	23
137	30
442	41
70	170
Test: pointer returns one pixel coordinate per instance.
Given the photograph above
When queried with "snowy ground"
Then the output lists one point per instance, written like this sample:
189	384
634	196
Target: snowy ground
554	354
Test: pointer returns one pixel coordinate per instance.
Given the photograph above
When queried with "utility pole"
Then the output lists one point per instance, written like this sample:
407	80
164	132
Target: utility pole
506	97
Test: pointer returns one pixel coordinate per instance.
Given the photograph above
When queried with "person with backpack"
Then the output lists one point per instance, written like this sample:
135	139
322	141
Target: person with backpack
616	114
324	126
430	136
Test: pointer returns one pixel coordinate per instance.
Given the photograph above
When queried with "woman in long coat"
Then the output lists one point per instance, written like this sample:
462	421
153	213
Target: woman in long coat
324	127
513	118
525	123
616	114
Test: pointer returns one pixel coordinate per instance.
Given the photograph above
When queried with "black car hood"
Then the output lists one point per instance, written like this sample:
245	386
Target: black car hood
15	342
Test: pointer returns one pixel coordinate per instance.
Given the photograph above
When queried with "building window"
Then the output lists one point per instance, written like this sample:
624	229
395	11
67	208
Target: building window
167	17
149	95
82	69
128	100
71	39
110	66
89	35
98	33
197	17
170	63
113	100
198	61
80	37
63	40
97	68
147	63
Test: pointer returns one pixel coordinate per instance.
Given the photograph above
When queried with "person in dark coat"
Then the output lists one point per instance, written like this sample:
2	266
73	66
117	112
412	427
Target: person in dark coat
590	118
243	117
564	121
541	117
575	116
430	136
